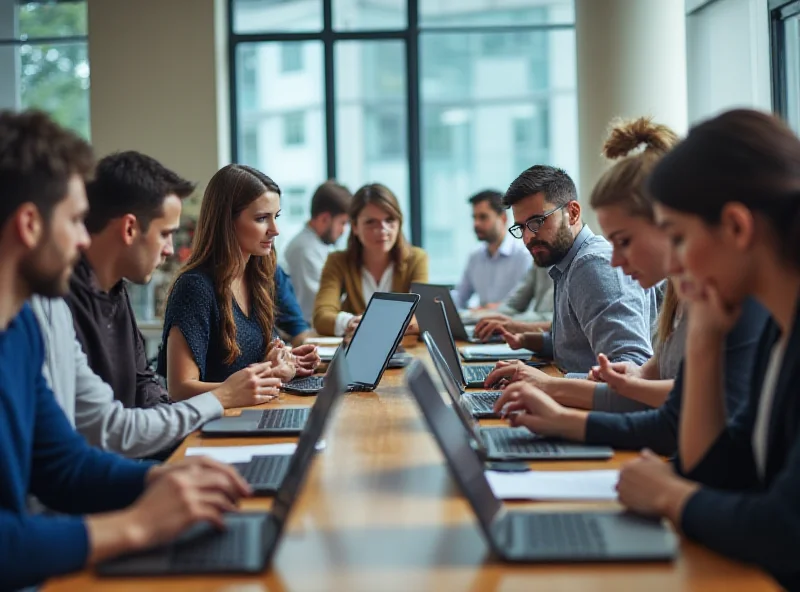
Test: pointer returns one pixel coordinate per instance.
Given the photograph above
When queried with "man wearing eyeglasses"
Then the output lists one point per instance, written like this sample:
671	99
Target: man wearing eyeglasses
597	309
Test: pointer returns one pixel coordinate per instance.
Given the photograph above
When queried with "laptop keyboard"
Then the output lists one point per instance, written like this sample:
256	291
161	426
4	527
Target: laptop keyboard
563	534
265	470
477	373
511	440
283	418
309	383
212	549
482	401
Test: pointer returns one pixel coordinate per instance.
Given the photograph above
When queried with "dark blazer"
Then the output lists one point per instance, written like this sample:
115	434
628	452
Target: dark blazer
736	513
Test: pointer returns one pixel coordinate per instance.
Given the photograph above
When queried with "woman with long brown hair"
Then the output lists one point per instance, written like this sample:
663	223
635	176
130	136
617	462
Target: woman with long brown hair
378	259
221	309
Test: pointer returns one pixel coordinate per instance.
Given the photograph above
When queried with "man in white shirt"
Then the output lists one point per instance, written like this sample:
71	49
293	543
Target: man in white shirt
305	255
497	266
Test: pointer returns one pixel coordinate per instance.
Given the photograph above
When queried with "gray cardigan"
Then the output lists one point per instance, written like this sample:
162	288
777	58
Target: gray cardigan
89	402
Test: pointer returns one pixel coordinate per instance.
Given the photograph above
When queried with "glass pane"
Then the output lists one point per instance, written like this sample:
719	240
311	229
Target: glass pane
791	29
280	16
371	137
55	79
492	106
474	13
281	121
43	19
372	15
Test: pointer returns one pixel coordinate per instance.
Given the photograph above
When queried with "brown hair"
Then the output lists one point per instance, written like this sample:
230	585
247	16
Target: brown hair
37	159
378	195
742	156
216	249
332	198
623	185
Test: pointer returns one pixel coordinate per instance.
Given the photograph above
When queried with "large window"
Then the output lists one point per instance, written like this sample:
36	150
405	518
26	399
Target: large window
43	60
786	60
436	99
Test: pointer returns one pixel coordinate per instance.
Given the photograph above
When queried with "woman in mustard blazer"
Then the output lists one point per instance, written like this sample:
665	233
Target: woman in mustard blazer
377	259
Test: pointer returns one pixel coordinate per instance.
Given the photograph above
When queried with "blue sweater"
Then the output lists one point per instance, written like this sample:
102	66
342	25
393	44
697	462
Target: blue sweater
41	454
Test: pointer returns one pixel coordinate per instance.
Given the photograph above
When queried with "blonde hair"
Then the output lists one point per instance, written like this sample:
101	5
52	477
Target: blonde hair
636	146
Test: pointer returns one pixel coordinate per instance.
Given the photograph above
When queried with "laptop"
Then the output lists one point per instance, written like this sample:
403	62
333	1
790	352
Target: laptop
507	443
536	537
250	539
462	332
265	473
479	403
373	345
432	318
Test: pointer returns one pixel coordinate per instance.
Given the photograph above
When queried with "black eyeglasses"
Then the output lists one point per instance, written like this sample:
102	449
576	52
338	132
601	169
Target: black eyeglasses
534	223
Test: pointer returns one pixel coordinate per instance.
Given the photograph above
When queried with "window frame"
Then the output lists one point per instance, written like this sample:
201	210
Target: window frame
329	36
780	11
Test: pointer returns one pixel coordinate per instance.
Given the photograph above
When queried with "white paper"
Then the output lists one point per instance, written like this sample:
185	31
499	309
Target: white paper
327	352
324	340
495	349
240	454
555	485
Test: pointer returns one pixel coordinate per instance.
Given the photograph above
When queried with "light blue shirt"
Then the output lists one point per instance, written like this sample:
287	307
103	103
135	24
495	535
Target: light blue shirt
598	309
493	277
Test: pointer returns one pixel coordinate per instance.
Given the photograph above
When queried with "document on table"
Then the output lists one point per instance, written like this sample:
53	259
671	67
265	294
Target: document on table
555	485
326	352
242	454
324	340
495	351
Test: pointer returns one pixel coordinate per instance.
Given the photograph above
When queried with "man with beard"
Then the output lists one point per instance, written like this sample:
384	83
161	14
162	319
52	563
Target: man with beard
497	266
307	252
109	505
597	308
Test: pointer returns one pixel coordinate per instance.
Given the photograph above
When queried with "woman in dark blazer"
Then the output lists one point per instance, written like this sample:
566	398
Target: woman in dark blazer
729	198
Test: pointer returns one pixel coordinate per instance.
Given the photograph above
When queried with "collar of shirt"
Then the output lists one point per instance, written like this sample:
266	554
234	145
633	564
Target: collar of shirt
312	237
559	268
385	285
85	275
505	249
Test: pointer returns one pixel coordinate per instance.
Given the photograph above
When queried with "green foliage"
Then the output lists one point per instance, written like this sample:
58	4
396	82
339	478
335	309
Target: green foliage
54	77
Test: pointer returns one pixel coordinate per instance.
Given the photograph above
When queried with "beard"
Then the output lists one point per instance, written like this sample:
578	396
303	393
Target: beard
487	236
552	252
327	237
46	271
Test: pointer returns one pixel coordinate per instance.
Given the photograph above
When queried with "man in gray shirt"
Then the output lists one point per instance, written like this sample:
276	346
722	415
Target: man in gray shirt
597	309
306	253
89	403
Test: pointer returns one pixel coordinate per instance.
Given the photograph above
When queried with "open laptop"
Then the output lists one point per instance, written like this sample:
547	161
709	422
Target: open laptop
432	318
507	443
535	537
479	403
429	292
250	538
373	344
266	473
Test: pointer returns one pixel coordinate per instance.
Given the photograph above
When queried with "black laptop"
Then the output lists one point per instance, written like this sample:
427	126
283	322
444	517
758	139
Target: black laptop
432	318
462	332
507	443
265	473
250	538
535	537
373	344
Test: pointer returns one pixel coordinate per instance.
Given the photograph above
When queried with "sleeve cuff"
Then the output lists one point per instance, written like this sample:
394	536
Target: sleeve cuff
547	345
207	406
340	324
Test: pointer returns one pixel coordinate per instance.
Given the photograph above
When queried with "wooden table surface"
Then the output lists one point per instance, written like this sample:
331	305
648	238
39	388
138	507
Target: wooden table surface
380	512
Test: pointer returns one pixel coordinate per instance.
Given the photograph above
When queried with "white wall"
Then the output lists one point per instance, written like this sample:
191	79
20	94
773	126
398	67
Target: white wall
728	56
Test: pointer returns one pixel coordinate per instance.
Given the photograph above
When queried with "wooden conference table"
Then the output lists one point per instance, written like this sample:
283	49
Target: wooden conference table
380	512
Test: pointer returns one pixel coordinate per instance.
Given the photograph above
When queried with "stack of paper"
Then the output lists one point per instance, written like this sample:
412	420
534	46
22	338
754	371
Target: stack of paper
243	454
555	485
318	340
495	351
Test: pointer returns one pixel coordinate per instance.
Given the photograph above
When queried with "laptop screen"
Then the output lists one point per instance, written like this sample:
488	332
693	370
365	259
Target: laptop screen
431	318
465	464
379	330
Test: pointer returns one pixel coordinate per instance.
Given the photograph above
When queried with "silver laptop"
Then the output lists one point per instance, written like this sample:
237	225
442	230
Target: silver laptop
535	537
506	443
462	332
373	345
250	538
